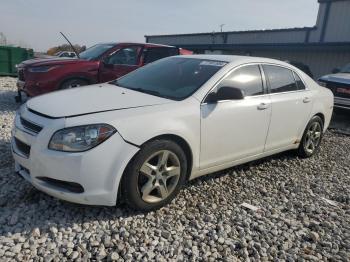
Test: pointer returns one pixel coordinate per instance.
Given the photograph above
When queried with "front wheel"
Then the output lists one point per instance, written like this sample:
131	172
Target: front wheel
311	138
155	175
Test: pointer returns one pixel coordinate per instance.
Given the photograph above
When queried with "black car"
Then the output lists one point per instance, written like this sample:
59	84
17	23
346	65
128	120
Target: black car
339	84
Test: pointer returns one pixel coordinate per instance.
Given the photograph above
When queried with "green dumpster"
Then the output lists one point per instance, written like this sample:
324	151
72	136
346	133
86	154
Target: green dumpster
10	56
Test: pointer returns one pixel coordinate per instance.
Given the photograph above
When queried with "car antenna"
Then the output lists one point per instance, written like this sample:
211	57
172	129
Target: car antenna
75	51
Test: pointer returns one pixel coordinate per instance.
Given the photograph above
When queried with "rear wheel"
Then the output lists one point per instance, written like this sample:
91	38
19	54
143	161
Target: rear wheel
71	83
311	138
155	175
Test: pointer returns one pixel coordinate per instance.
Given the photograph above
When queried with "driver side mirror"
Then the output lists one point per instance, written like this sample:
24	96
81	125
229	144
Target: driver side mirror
225	93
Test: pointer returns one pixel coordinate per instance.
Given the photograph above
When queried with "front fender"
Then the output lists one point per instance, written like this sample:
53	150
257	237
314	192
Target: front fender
144	124
139	125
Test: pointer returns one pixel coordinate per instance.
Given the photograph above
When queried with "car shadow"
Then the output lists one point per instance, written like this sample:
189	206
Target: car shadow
341	121
7	101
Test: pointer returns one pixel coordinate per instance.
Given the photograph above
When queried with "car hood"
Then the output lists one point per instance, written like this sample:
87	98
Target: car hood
50	61
91	99
343	78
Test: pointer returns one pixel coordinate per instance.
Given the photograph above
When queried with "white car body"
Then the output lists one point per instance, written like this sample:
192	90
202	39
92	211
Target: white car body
219	136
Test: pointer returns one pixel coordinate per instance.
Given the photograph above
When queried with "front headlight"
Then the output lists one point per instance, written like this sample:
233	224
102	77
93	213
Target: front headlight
41	69
80	138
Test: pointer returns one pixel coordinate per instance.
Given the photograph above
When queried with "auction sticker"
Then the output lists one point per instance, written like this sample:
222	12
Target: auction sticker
212	63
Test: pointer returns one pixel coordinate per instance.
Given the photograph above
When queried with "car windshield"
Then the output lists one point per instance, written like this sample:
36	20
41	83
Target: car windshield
345	69
174	78
95	51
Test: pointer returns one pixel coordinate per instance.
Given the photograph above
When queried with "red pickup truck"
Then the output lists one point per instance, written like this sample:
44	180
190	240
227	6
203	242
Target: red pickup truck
99	63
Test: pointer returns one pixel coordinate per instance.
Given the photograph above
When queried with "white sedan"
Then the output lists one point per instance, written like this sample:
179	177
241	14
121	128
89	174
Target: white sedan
141	137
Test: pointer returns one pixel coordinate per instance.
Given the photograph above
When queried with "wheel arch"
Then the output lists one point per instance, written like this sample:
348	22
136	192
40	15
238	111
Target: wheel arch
321	115
81	77
183	144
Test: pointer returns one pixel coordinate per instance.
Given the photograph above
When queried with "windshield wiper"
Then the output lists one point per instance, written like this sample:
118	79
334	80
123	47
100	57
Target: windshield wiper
142	90
151	92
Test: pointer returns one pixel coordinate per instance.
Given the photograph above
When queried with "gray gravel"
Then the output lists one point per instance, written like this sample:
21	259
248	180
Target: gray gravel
304	213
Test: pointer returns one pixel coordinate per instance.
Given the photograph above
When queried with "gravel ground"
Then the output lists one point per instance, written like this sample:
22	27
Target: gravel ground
304	213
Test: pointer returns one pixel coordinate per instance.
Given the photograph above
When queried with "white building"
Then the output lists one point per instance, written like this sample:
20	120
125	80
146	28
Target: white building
322	47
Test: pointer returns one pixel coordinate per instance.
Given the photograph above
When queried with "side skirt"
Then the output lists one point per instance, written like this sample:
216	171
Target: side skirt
240	161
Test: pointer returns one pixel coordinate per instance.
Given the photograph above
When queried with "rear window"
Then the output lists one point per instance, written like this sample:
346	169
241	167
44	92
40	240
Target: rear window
174	77
300	83
155	53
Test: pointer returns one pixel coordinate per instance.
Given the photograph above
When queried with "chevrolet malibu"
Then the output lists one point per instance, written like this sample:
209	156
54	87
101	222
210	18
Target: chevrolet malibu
141	137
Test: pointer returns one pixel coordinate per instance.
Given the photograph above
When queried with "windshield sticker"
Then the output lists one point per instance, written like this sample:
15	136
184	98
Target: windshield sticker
212	63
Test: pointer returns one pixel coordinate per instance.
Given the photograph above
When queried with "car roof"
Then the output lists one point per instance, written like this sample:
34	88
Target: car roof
237	59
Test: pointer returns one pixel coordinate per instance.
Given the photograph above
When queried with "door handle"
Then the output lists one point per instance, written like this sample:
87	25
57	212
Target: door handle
306	100
263	106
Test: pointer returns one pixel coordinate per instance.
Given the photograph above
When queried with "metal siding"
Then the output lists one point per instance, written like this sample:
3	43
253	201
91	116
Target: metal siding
181	40
320	63
338	27
232	38
316	34
267	37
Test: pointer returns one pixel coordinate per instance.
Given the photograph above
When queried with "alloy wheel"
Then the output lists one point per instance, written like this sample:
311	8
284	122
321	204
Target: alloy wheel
159	176
313	137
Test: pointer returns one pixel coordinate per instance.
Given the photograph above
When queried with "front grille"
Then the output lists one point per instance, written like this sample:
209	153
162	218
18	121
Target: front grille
30	126
22	147
21	74
339	89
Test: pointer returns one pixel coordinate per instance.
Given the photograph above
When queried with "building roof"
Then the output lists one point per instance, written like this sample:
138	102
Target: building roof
313	46
240	32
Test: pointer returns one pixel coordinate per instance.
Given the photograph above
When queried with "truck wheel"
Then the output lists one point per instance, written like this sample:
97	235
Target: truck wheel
71	83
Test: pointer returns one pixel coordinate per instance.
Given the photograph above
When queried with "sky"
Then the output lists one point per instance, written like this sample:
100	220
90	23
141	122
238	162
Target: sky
37	23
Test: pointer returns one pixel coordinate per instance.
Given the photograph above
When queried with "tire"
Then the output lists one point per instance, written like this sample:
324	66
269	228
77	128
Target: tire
149	183
312	138
71	83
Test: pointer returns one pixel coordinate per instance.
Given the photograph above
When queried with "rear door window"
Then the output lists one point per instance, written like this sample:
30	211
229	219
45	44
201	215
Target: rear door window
124	56
152	54
299	82
280	79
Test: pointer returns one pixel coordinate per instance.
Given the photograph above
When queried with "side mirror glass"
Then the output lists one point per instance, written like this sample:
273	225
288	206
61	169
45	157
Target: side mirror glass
225	93
211	98
229	93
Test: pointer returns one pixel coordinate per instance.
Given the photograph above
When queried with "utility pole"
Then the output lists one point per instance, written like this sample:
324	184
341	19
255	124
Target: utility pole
221	26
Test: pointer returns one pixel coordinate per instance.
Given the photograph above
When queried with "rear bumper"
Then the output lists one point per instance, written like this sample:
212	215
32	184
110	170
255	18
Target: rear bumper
342	103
